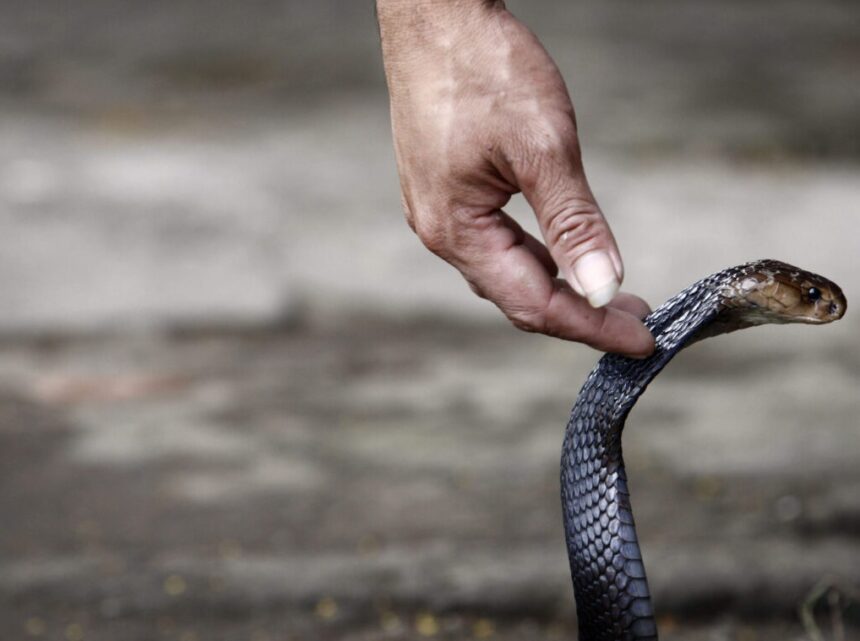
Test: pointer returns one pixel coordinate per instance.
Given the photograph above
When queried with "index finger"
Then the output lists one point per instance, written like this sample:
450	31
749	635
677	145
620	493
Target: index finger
500	266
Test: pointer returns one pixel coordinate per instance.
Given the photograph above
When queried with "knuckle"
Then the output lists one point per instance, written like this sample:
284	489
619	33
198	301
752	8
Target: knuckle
555	134
409	216
574	223
477	289
431	232
543	145
527	320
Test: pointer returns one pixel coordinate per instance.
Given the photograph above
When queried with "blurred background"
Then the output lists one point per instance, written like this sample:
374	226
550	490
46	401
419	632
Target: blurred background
238	400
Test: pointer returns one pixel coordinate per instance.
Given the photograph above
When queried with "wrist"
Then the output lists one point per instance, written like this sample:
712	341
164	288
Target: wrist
421	33
415	11
415	24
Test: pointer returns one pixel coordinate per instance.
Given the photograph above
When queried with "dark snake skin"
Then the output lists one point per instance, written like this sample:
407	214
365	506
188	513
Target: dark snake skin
612	597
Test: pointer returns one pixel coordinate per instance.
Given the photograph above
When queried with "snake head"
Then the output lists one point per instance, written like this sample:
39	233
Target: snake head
770	291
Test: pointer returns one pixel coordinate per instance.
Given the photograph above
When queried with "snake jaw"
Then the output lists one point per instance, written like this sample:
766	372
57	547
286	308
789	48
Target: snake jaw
825	311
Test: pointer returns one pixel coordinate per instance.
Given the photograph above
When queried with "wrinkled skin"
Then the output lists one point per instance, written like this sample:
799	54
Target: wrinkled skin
480	112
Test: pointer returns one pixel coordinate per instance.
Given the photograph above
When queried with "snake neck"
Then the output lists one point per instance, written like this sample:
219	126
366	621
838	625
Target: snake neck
612	595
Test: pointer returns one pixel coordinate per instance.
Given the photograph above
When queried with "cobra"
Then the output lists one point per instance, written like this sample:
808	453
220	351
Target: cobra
612	598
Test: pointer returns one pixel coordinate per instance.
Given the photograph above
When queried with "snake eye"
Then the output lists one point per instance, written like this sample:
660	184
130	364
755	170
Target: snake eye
813	294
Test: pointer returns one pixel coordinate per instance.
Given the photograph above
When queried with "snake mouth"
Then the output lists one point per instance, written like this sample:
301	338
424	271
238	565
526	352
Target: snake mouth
822	313
837	307
829	308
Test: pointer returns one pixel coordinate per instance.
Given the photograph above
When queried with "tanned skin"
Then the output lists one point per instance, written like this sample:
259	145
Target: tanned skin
480	112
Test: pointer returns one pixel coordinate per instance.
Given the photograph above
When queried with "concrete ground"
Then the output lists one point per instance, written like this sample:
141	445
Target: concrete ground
399	480
239	401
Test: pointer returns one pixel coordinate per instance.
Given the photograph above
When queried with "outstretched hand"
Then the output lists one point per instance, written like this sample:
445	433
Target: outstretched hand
480	112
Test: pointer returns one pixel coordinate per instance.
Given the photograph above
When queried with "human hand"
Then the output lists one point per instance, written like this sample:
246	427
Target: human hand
480	112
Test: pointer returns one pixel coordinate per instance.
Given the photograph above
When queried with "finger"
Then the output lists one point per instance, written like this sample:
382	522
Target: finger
631	304
511	275
531	243
626	302
609	329
577	235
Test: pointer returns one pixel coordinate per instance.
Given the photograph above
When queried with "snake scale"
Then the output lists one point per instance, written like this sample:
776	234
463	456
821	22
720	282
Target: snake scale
612	597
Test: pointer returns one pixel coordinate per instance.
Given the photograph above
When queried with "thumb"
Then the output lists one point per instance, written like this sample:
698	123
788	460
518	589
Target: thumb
576	233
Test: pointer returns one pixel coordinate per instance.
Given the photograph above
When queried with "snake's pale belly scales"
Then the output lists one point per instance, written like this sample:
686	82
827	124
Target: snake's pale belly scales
612	597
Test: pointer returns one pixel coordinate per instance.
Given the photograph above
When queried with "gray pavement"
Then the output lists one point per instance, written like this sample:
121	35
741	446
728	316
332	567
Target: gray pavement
239	401
399	480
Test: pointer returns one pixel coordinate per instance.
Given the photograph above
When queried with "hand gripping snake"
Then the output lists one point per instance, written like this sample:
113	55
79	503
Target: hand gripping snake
612	598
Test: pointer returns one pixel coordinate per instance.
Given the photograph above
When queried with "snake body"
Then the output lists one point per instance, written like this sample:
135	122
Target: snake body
612	596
